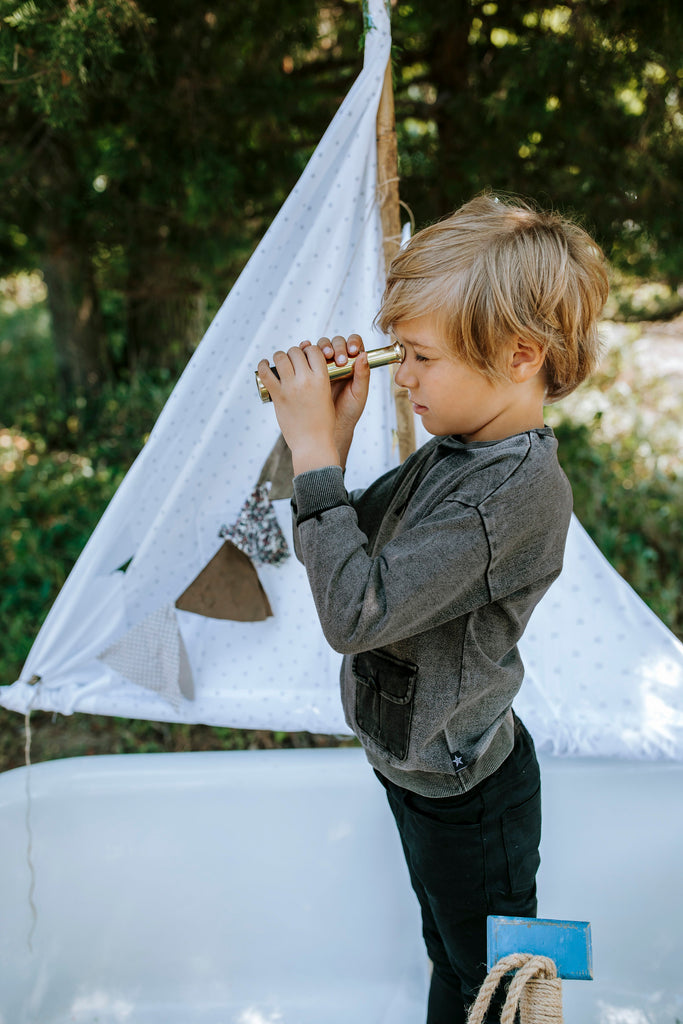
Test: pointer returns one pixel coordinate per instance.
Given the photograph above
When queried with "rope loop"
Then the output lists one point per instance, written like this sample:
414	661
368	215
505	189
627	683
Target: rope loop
535	991
384	190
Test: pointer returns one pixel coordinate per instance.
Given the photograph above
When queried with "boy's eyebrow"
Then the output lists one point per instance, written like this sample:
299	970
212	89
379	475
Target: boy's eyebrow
410	341
415	344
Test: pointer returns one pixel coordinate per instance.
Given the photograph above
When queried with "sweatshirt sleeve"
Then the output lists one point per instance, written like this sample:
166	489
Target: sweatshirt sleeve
423	577
318	491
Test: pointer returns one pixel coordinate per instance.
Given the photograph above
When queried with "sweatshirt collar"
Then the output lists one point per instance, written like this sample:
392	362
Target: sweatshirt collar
455	443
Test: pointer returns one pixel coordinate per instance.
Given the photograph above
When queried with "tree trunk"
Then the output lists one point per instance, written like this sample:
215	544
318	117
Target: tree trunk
165	317
449	72
77	328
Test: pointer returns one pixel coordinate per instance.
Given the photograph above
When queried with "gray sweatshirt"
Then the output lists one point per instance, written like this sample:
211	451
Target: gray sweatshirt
425	582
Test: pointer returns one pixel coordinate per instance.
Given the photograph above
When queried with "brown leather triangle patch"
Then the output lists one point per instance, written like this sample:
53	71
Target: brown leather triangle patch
228	587
278	471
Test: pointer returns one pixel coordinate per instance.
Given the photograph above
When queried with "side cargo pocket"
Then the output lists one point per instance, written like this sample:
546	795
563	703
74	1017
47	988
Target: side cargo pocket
522	838
385	688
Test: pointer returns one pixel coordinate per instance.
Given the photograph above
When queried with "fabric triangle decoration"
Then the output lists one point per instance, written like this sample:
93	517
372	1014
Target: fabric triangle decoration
228	587
214	472
184	606
152	654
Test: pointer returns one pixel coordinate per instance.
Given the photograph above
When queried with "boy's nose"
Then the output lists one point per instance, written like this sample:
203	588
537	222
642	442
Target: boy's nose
402	376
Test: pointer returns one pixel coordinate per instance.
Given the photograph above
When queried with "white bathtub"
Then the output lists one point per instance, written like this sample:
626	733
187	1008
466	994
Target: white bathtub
269	888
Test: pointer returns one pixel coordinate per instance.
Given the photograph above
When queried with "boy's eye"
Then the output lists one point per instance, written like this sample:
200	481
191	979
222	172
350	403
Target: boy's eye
420	359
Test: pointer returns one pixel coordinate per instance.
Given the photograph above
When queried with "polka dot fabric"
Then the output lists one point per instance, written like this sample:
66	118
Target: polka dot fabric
604	676
318	271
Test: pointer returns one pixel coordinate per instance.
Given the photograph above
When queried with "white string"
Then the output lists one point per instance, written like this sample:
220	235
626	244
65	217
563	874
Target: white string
29	829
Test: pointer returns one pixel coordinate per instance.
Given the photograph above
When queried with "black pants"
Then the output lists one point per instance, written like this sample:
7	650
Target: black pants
470	856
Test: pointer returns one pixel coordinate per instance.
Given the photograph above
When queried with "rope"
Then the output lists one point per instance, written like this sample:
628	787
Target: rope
410	214
535	991
383	192
33	910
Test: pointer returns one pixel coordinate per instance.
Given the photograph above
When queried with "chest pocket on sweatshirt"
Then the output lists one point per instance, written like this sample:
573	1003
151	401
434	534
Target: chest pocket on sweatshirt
384	699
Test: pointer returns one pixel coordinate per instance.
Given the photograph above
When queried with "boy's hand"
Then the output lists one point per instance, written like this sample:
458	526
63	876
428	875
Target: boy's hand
317	418
350	394
303	405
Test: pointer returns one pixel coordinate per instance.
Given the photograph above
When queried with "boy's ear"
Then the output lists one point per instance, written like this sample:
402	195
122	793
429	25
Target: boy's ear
526	359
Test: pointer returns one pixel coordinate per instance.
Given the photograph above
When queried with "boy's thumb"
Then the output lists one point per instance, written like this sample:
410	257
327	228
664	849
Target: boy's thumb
361	370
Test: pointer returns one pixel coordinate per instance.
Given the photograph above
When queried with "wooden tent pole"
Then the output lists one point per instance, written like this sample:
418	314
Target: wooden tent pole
387	185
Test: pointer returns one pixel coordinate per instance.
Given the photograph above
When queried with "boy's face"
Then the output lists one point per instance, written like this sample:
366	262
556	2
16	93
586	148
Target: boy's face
455	398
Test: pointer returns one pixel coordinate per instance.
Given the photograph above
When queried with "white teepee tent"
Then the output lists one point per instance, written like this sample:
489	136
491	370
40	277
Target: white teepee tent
604	676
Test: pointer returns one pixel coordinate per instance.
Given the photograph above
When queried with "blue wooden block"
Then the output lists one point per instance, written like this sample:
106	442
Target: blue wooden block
568	943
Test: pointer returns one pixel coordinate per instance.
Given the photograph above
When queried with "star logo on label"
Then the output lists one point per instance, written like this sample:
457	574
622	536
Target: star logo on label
457	759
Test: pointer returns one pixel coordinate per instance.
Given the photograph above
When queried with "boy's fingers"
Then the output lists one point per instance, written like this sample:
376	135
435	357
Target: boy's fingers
266	374
361	372
325	345
299	359
316	357
341	354
339	349
283	363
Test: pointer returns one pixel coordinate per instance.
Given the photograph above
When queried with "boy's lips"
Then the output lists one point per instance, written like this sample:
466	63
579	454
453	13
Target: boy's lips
418	409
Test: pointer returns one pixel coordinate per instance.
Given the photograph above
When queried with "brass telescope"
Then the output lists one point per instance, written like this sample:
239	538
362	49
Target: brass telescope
376	357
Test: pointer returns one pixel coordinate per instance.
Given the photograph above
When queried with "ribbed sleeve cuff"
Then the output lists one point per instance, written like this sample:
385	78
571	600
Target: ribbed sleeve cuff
318	490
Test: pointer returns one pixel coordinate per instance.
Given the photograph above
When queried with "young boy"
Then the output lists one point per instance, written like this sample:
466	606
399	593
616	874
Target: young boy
425	580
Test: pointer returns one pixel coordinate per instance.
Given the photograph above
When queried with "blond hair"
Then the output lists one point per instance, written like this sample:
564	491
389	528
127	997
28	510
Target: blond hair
499	269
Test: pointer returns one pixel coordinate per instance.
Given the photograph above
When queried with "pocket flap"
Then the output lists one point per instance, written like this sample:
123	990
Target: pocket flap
393	678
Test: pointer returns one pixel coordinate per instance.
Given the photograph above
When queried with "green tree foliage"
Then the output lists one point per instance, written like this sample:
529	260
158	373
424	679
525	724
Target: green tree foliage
57	60
144	149
577	104
146	144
